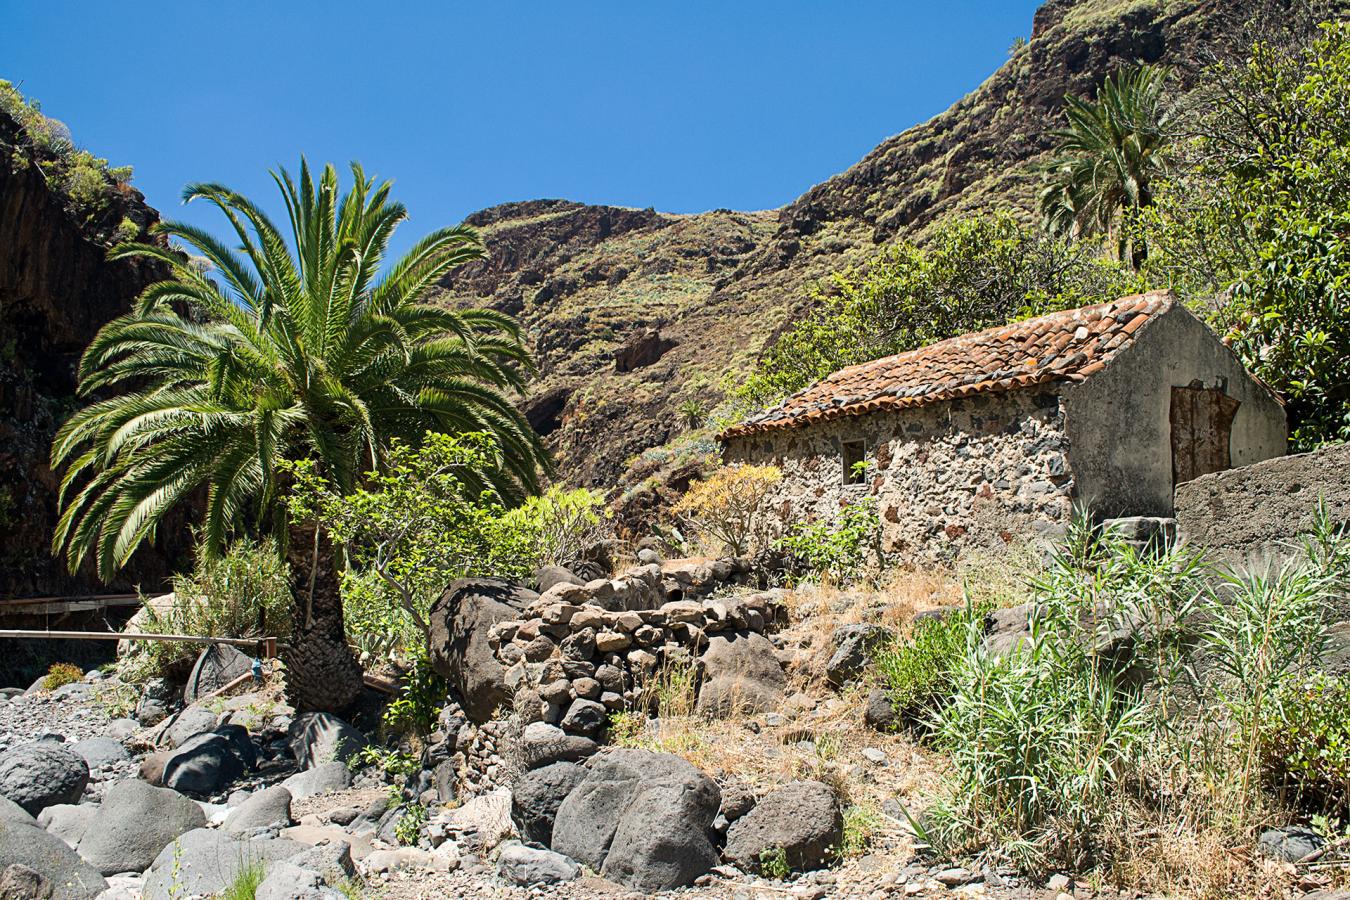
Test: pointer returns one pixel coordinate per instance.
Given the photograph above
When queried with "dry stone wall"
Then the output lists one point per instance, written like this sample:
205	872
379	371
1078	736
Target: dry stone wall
977	472
583	652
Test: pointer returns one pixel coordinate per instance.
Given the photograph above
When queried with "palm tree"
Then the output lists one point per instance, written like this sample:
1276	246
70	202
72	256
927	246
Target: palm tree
1109	159
271	352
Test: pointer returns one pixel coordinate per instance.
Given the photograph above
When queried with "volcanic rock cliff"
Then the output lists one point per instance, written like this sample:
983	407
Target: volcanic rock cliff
56	290
694	299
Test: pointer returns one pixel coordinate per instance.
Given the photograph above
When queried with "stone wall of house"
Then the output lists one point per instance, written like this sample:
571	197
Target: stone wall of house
983	471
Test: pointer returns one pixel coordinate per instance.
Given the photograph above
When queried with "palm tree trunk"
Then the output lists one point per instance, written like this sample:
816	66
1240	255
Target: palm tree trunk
321	672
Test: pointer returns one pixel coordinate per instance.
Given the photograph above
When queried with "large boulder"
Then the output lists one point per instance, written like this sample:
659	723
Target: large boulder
204	862
203	765
287	881
802	819
189	723
527	866
216	666
323	778
13	812
742	676
42	774
536	796
268	807
136	821
320	737
640	819
71	878
546	577
460	621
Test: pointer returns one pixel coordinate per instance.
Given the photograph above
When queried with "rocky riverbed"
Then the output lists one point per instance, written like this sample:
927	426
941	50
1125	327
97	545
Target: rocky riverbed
162	791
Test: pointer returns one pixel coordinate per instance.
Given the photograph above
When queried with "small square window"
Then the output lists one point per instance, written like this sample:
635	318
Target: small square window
855	462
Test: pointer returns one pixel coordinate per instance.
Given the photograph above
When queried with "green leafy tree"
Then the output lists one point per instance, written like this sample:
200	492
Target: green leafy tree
313	349
970	274
1108	161
1258	215
427	517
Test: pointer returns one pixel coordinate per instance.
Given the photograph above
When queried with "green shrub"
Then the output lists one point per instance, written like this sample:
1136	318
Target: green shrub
60	674
423	521
419	703
126	230
561	526
916	673
84	179
773	863
862	821
244	593
409	826
836	549
1304	742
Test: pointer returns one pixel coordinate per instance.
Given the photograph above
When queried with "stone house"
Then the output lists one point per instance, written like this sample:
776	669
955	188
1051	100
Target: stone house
997	436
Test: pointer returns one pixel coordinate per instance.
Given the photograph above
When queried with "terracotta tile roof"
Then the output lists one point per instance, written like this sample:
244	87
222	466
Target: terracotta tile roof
1064	346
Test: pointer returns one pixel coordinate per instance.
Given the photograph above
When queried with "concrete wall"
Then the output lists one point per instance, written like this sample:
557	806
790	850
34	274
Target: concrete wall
978	472
1245	516
1118	426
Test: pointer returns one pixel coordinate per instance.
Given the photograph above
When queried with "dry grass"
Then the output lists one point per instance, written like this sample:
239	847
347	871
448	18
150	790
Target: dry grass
824	744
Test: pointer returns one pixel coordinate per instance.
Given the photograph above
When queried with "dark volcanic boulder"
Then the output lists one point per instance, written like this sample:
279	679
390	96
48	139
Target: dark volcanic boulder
203	765
217	666
42	774
536	796
742	676
320	737
542	743
460	621
546	577
134	823
640	819
802	819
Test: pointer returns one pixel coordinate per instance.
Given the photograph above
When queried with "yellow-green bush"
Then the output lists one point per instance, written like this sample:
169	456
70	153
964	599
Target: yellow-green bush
728	510
61	673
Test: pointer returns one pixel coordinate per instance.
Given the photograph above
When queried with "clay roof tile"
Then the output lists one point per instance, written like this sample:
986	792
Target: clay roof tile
1065	346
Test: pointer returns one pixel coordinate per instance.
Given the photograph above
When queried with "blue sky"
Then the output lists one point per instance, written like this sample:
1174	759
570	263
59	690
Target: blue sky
682	106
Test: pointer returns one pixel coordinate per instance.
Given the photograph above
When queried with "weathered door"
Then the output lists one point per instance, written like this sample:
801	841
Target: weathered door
1202	425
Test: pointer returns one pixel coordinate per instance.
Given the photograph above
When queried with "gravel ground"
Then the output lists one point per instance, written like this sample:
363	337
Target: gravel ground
29	716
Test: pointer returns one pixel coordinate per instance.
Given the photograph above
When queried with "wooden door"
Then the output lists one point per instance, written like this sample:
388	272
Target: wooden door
1202	426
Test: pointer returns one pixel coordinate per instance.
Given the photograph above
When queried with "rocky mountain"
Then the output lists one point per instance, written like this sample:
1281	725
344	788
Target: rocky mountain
56	290
638	316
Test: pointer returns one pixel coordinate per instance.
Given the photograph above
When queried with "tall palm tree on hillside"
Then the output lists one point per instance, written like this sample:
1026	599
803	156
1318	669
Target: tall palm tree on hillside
281	351
1108	160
